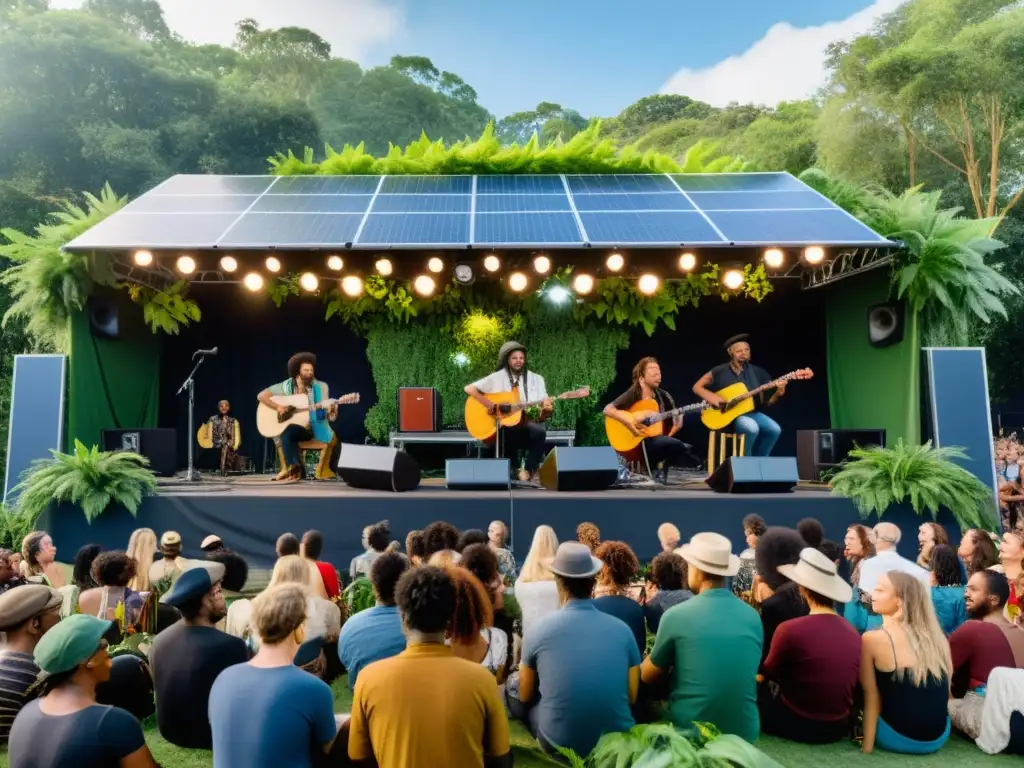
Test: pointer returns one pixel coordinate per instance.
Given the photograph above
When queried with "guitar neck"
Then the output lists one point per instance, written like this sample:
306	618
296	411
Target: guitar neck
681	411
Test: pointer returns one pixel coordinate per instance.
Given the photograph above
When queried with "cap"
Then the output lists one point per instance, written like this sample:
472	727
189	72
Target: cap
194	582
70	643
735	340
170	539
20	604
210	540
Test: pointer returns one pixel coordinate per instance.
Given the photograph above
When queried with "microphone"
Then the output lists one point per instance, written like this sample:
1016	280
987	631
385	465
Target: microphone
205	353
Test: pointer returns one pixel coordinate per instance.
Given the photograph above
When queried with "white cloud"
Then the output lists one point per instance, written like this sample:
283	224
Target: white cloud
352	27
787	63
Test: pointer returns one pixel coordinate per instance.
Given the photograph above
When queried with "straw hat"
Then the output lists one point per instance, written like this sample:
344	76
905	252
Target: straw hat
817	573
711	553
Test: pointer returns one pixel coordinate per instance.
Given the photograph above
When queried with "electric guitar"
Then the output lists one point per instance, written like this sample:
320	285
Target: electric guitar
482	425
270	423
739	400
622	439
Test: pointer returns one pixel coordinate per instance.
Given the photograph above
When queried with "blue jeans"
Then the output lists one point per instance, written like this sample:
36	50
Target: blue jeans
761	433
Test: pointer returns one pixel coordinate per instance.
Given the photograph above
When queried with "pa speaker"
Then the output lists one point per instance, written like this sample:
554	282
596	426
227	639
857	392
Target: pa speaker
377	468
103	320
580	469
755	474
160	446
477	474
821	449
885	324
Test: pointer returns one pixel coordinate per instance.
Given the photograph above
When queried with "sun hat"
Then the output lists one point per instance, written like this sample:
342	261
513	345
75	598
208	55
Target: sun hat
71	642
816	572
507	349
194	582
574	561
711	553
20	604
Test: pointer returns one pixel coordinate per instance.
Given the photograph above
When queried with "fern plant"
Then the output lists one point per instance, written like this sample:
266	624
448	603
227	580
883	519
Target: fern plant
89	478
876	478
165	310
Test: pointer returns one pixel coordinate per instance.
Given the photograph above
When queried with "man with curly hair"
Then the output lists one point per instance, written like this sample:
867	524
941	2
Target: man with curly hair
376	538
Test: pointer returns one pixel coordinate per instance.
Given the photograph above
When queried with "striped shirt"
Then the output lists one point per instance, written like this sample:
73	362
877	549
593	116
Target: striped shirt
18	672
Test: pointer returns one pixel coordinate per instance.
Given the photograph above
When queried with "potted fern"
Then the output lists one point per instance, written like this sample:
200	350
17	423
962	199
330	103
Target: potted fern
876	478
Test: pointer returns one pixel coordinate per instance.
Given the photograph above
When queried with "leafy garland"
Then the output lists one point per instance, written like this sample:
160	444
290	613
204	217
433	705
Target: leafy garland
165	310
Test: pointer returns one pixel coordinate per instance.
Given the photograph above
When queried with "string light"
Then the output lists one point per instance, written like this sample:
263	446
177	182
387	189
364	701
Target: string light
615	262
814	254
687	262
384	267
648	284
143	258
309	282
186	265
435	265
229	263
583	284
542	264
517	282
273	264
733	279
352	285
774	257
253	281
335	263
558	294
492	263
424	285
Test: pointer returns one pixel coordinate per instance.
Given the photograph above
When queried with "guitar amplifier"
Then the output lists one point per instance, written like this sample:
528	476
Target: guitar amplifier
419	409
823	449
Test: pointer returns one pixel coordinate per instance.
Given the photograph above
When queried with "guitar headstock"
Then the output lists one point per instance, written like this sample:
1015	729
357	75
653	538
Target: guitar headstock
576	394
802	375
349	399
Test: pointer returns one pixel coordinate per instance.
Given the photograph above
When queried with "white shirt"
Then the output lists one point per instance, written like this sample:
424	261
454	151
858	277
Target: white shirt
536	600
889	560
499	382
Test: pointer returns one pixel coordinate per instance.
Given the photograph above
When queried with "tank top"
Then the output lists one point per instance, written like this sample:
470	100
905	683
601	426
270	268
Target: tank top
915	712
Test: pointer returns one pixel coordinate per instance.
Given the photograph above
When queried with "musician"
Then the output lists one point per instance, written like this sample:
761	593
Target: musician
226	436
647	386
761	431
301	381
512	374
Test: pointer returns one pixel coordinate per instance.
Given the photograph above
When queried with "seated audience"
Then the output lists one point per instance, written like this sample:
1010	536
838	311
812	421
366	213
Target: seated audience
779	597
887	537
612	593
811	531
668	537
473	635
470	537
322	576
977	551
187	658
414	548
446	558
497	538
39	560
480	560
1011	558
268	713
858	546
375	633
535	588
667	577
753	529
812	670
710	646
831	550
1002	723
9	578
287	544
211	543
26	614
929	536
904	670
580	672
236	569
589	534
947	588
439	537
81	571
171	563
66	728
465	725
141	549
113	571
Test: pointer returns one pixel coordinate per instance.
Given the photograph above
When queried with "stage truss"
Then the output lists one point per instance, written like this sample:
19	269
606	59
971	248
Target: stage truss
846	263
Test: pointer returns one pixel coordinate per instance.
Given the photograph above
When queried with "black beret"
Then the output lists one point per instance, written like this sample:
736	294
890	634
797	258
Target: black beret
735	340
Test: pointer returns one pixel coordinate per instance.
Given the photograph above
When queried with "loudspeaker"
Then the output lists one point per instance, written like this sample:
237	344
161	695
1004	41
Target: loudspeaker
102	318
477	474
579	469
755	474
160	446
821	449
885	324
419	409
377	468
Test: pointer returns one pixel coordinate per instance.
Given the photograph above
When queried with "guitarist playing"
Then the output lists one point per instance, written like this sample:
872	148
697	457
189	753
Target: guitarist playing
301	381
761	432
512	374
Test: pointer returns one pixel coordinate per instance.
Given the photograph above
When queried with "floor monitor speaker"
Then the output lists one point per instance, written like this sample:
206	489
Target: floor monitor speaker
580	469
477	474
160	446
377	468
755	474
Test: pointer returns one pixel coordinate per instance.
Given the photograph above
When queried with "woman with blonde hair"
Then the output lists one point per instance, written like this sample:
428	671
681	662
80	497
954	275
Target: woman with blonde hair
535	589
142	548
905	670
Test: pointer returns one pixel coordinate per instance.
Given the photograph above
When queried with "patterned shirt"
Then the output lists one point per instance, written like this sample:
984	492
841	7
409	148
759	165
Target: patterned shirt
506	564
18	671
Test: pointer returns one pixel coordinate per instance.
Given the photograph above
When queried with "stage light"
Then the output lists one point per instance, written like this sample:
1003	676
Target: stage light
615	262
384	267
583	284
273	264
648	284
352	285
186	265
558	294
143	258
253	281
687	262
492	263
774	257
229	263
309	282
542	264
814	254
733	278
517	282
335	263
424	285
435	265
464	274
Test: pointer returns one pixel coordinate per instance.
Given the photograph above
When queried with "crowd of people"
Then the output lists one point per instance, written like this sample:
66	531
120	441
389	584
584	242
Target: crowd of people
796	636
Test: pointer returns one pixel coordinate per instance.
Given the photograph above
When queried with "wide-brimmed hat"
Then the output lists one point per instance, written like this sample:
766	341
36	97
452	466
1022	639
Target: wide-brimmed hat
711	553
816	572
194	582
20	604
507	349
574	561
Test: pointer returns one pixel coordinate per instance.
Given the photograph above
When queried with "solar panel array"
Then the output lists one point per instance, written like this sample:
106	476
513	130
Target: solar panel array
551	211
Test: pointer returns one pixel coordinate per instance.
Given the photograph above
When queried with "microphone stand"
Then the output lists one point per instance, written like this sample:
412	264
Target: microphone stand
191	475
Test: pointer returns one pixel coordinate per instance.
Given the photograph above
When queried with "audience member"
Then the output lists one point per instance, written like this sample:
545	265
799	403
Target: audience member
858	546
212	543
187	658
589	534
269	713
977	551
141	549
66	728
812	669
81	572
113	571
322	576
497	538
446	558
376	538
171	564
535	589
480	560
831	550
236	569
472	634
612	593
414	548
287	544
26	615
470	537
779	597
929	536
39	560
323	618
887	537
375	633
1011	558
811	531
580	672
710	645
439	537
9	578
464	723
668	537
947	588
667	587
904	669
753	529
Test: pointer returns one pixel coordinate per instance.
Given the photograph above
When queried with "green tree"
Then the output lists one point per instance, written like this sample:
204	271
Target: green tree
143	19
286	62
782	139
520	126
651	111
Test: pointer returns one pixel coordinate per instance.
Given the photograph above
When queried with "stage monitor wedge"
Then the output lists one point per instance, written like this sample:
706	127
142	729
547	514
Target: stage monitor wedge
377	468
477	474
580	469
755	474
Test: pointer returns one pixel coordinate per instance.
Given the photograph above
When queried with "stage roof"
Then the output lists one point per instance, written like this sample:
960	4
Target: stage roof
314	213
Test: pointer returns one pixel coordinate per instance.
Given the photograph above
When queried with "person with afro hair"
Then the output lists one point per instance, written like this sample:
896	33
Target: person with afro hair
439	537
376	539
779	597
743	583
612	594
113	572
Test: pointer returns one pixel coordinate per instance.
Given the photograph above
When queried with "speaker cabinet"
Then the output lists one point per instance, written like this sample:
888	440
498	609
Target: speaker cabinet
579	469
103	319
477	474
160	446
755	474
818	450
885	324
419	409
377	468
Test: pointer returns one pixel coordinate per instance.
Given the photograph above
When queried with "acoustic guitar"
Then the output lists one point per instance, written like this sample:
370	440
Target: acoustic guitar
204	437
739	400
481	424
270	423
652	425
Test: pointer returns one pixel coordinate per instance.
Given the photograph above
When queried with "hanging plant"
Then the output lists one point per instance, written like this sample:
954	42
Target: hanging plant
283	287
165	310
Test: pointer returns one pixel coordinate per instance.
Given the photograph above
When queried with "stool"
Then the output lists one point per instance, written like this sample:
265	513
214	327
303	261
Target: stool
323	469
716	447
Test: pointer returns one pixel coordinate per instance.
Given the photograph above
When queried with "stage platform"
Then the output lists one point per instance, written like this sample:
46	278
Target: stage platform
249	514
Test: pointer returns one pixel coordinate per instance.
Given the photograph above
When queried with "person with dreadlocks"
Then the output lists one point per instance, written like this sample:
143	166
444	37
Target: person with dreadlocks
512	375
301	381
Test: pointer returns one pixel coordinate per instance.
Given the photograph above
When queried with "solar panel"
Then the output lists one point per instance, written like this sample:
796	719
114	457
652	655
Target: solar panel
764	201
298	229
645	201
828	227
271	203
191	204
514	185
422	204
521	203
668	228
526	229
326	185
156	230
427	185
738	182
595	184
428	229
213	185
